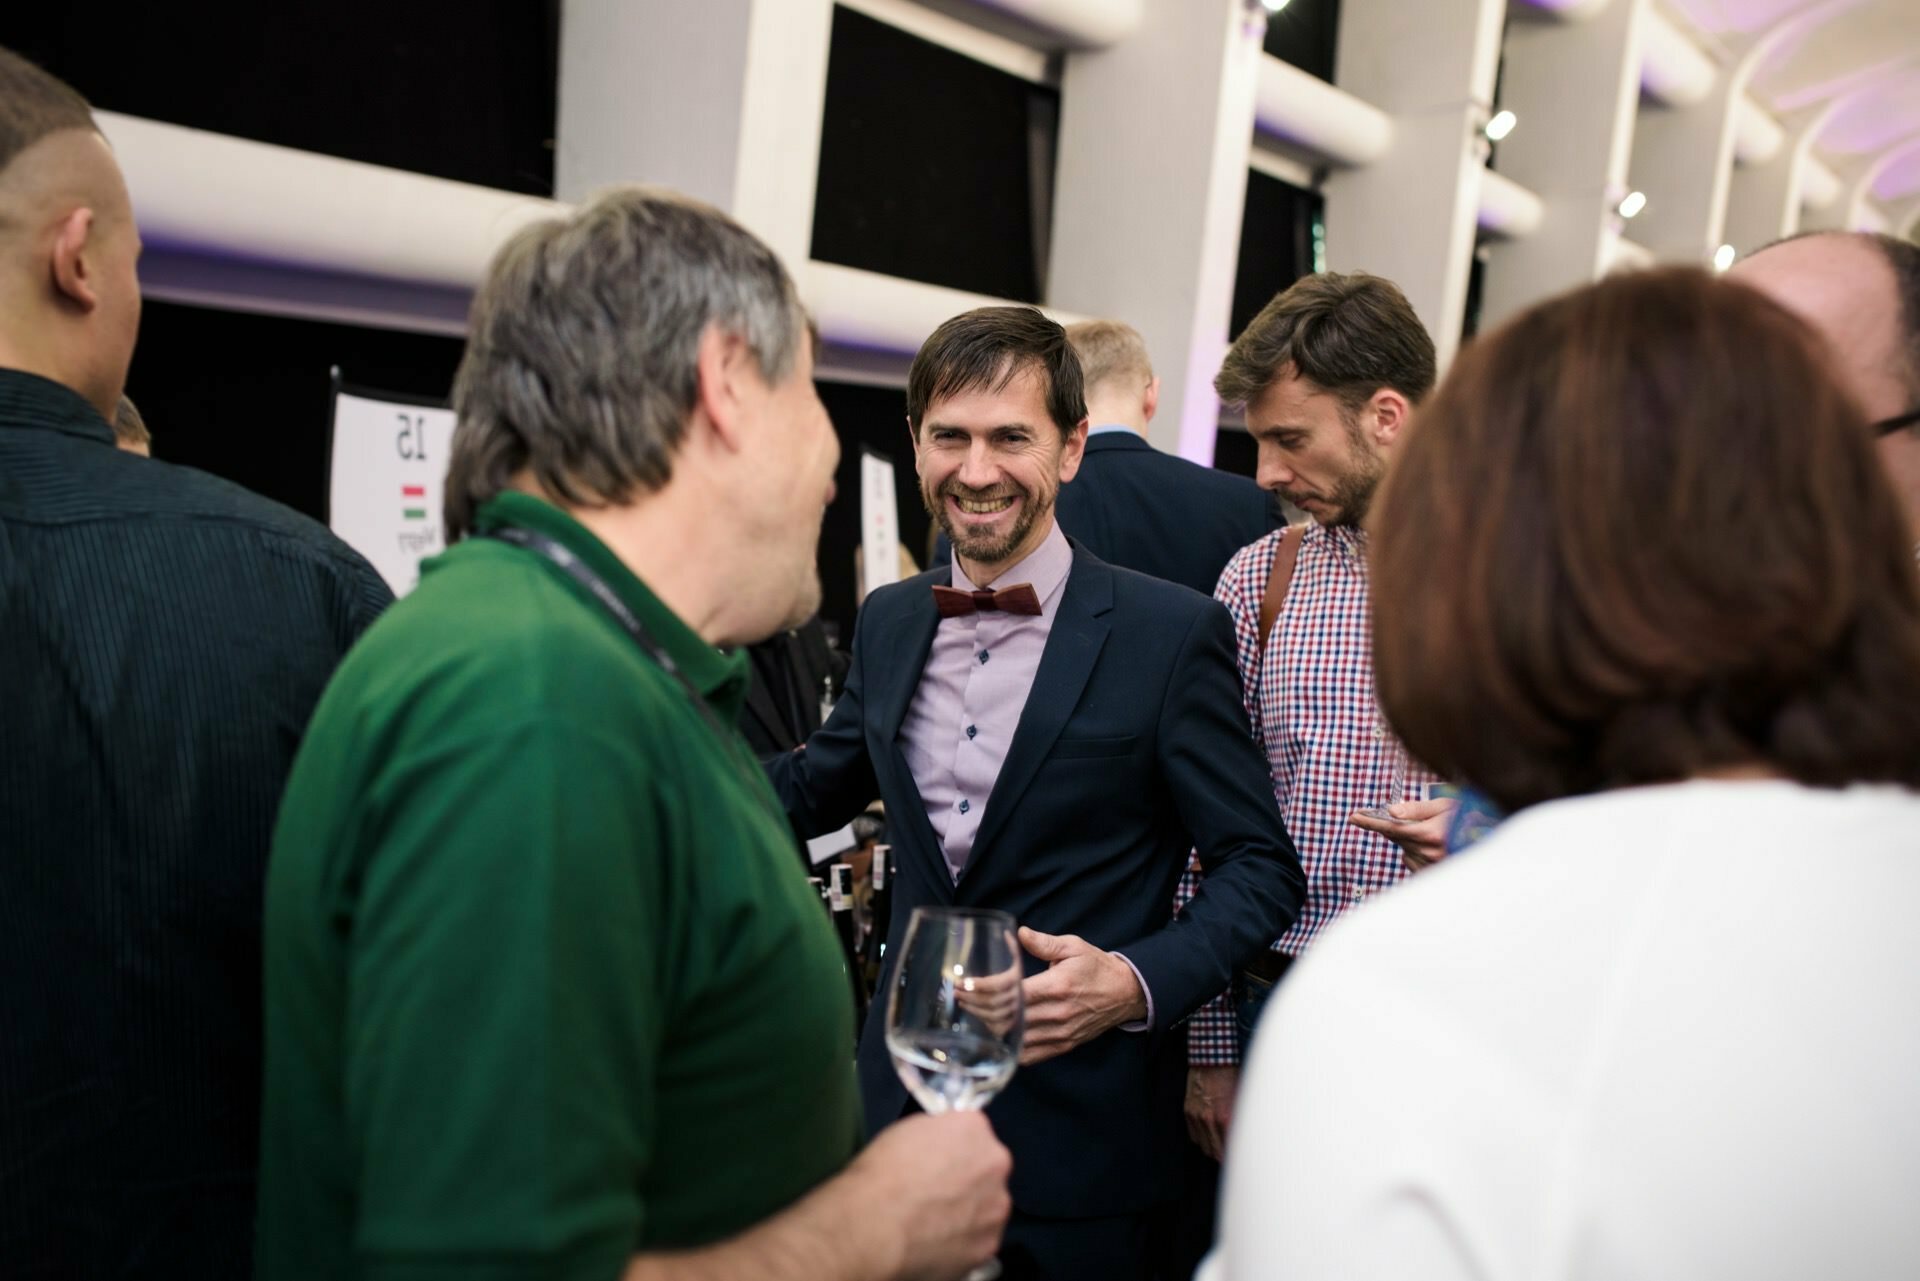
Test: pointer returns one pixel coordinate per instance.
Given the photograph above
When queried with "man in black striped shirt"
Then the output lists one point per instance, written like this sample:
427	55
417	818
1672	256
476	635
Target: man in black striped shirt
164	636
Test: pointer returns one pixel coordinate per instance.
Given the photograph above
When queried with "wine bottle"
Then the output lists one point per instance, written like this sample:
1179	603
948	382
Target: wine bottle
840	899
881	909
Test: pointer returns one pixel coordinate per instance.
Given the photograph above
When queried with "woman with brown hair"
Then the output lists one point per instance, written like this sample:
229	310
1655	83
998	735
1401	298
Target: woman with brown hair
1639	579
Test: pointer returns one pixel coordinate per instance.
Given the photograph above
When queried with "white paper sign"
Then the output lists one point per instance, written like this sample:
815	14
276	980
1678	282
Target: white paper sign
822	848
879	522
389	475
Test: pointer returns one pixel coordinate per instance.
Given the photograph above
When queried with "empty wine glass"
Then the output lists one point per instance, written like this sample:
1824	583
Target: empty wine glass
955	1013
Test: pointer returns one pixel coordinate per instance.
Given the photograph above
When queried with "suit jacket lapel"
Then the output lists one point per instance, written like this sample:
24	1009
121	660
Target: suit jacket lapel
1079	631
895	656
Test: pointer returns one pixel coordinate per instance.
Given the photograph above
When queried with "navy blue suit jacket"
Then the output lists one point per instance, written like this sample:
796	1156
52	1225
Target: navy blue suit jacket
1133	506
1133	747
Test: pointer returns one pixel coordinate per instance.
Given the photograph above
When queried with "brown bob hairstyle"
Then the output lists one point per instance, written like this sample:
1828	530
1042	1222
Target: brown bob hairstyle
1639	534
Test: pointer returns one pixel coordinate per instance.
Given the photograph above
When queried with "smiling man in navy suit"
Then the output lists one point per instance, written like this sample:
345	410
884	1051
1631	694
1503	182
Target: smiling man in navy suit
1050	735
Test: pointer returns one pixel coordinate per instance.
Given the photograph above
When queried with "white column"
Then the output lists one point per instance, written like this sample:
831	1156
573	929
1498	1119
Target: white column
1411	215
1149	190
721	99
1906	221
1765	201
1574	86
1683	160
1863	210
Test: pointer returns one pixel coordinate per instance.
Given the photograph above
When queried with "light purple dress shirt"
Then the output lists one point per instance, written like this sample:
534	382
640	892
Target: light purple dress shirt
971	693
967	706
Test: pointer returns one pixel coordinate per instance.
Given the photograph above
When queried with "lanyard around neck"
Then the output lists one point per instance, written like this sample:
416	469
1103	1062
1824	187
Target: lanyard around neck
580	572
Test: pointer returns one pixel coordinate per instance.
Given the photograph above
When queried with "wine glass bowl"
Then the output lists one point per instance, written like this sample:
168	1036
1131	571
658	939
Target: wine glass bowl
954	1011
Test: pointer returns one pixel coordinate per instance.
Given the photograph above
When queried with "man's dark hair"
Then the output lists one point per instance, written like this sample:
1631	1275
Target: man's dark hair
1348	334
985	349
34	104
1681	554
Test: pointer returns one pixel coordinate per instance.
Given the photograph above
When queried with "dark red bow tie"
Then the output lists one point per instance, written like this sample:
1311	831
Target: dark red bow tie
1018	599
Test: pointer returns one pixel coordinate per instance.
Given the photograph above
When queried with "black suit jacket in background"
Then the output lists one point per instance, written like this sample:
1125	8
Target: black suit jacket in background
783	700
1133	747
1132	505
1143	510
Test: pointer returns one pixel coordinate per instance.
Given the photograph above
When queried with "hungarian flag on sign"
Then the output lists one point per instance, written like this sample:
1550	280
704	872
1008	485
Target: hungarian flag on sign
412	500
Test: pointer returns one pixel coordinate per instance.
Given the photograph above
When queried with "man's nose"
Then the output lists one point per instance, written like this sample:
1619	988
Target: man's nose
1271	474
979	470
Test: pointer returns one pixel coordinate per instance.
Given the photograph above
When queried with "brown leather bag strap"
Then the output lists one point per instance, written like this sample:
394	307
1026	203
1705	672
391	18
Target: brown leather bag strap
1285	554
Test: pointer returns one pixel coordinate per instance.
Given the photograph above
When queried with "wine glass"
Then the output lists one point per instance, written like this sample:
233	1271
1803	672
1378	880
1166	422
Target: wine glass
955	1013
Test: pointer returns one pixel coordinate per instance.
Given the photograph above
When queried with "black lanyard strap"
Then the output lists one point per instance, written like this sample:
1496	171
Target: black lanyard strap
573	567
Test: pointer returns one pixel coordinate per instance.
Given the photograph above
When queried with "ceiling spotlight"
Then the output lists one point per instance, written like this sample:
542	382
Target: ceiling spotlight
1501	125
1723	257
1631	203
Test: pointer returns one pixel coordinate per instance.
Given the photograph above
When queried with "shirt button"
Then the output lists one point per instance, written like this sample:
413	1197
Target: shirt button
965	806
972	730
983	655
1358	894
1379	732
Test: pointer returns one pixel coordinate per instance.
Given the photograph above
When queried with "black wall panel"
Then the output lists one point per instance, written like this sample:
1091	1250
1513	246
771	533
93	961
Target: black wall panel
1306	33
250	397
1279	232
874	417
933	166
461	89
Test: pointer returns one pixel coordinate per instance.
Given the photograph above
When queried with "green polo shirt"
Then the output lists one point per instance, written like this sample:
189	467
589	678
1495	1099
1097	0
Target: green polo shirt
544	985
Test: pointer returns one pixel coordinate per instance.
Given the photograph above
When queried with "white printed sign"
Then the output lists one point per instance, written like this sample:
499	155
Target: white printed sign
389	476
879	521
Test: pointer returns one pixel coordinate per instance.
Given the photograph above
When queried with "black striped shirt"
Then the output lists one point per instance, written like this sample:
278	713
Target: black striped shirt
164	636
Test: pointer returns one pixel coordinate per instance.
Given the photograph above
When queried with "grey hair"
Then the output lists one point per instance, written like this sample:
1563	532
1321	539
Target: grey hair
584	341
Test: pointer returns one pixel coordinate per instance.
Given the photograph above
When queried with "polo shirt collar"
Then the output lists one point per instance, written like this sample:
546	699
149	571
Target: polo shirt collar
28	400
721	678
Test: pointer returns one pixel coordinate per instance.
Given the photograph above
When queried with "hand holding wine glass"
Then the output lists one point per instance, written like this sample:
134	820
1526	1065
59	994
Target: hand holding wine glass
954	1012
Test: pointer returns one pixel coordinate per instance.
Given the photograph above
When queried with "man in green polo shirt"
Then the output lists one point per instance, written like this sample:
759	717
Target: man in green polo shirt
546	995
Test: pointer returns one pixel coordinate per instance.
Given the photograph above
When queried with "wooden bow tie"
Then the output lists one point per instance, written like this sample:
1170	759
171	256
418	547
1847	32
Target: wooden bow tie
1018	599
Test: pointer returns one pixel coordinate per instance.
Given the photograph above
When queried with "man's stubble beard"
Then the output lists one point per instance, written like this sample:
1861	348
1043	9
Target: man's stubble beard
971	546
1352	498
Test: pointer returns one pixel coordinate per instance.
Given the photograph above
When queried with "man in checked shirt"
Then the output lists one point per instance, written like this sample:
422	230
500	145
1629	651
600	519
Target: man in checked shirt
1329	373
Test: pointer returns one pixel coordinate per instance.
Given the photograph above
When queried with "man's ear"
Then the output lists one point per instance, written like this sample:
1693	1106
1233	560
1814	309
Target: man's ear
73	274
1074	450
1152	403
722	368
1390	412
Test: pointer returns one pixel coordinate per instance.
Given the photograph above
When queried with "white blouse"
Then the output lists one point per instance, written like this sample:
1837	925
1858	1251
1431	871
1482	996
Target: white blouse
1668	1032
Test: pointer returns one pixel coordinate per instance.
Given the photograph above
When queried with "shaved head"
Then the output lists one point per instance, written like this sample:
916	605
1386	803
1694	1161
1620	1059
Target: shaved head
1845	286
69	293
1861	293
32	105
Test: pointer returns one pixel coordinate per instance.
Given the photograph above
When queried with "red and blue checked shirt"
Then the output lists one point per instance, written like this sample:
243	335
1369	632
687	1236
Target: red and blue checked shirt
1311	699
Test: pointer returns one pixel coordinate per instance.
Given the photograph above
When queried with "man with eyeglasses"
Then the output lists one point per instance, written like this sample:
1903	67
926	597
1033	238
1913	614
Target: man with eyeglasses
1861	291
